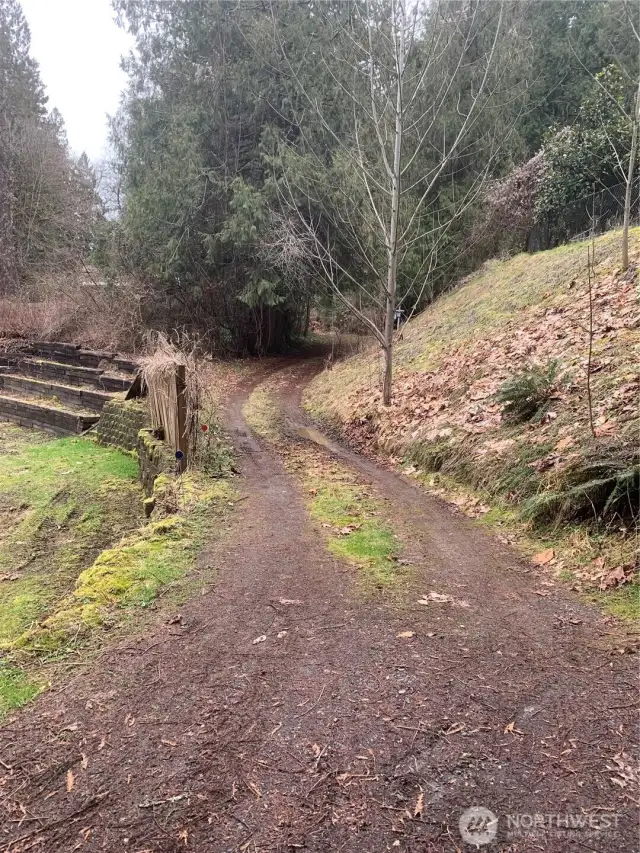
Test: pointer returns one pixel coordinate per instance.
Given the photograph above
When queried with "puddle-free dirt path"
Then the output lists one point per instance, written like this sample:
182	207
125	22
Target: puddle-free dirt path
284	713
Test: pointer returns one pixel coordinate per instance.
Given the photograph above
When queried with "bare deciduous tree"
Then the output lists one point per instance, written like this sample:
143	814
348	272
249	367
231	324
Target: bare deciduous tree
408	130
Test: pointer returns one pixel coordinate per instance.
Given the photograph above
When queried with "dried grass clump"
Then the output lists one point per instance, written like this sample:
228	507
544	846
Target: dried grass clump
159	369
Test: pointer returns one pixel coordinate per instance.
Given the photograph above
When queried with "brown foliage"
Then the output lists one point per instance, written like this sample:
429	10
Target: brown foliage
509	209
78	310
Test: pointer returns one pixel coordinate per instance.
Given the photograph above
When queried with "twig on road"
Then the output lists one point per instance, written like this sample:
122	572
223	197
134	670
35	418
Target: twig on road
151	803
315	704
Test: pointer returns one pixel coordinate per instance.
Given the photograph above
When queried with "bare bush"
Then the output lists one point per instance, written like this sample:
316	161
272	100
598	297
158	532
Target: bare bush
78	310
509	209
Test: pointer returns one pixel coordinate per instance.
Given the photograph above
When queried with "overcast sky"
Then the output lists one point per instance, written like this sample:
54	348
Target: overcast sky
78	46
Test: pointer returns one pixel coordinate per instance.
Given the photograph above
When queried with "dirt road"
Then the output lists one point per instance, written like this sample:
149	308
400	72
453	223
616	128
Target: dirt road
332	733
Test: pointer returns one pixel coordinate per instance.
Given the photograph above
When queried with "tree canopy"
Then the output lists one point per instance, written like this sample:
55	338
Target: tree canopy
233	108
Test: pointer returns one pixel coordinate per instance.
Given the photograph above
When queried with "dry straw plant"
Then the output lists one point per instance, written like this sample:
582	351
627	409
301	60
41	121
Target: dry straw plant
170	375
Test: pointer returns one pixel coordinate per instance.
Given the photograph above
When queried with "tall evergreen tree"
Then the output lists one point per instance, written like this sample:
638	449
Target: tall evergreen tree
47	202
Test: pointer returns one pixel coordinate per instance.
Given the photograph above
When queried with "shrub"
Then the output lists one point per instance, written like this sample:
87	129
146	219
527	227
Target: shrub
600	489
526	396
78	310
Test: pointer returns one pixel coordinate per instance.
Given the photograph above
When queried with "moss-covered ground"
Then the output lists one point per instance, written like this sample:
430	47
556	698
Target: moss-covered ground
76	554
61	502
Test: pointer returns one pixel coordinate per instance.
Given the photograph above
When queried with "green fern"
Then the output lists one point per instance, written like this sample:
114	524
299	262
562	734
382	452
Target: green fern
526	396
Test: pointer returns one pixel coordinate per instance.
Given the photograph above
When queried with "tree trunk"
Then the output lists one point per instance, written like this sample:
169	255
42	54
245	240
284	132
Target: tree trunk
633	154
392	248
388	355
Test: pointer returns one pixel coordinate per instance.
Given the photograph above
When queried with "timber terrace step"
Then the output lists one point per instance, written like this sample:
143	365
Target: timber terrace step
61	387
73	354
67	374
49	418
84	399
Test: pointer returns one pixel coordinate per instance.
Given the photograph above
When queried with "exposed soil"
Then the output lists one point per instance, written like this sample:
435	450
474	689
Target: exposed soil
281	711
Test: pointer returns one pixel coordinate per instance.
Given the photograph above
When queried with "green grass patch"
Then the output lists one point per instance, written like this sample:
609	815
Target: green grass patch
16	688
623	603
262	413
351	516
61	502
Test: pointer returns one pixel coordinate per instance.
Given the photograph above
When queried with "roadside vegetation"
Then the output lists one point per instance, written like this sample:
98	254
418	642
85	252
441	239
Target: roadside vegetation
492	408
76	555
61	502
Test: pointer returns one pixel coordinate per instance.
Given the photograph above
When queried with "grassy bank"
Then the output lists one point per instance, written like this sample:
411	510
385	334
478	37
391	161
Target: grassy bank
76	555
492	408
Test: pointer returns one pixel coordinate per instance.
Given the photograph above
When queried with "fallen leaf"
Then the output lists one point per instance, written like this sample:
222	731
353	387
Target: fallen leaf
615	577
441	598
255	789
626	773
259	639
71	780
102	743
543	557
169	742
419	806
281	634
85	762
289	601
511	729
406	634
438	597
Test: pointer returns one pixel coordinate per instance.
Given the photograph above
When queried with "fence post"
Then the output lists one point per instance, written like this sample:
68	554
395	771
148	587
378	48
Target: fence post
181	399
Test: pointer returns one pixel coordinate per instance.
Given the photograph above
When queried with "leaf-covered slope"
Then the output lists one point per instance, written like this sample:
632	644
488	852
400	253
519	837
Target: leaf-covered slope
529	312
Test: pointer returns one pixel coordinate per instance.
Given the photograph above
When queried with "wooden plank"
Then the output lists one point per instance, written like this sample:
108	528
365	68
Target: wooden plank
181	400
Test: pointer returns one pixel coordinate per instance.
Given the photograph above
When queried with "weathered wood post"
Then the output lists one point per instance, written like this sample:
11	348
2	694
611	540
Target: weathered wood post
182	439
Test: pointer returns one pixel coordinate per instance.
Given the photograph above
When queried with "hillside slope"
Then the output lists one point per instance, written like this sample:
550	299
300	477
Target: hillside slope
557	471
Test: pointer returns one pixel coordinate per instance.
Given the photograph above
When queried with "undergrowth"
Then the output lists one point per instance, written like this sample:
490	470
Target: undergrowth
527	395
